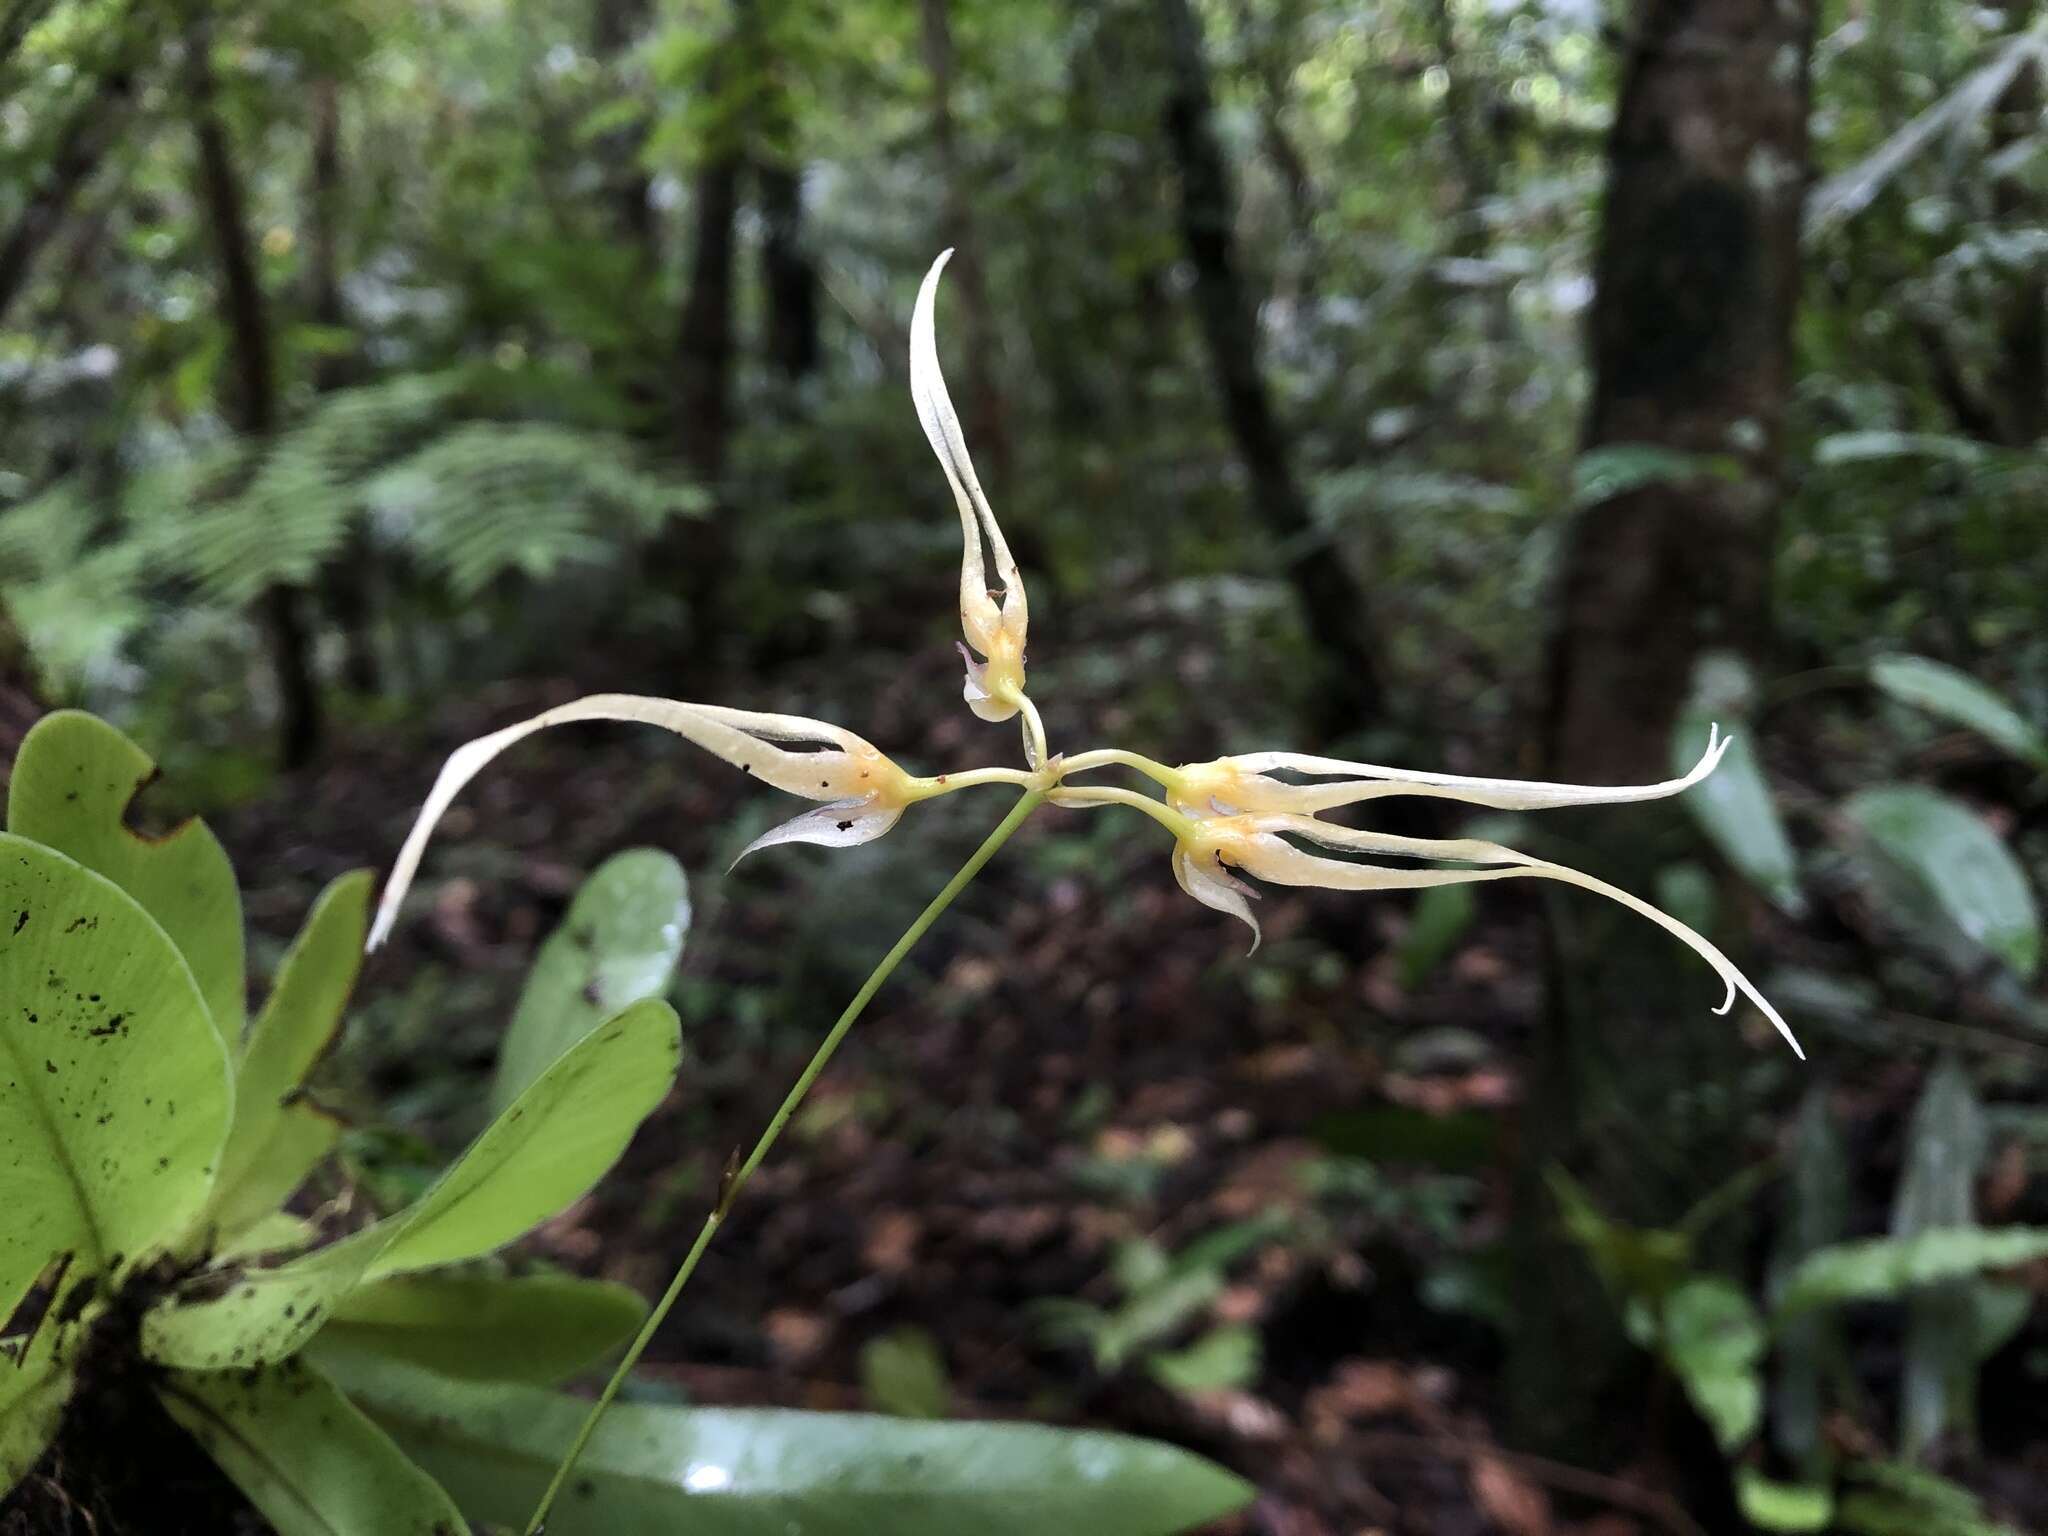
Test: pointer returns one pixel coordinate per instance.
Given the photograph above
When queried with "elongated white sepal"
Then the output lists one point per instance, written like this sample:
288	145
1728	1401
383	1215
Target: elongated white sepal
847	768
843	824
1249	784
1265	854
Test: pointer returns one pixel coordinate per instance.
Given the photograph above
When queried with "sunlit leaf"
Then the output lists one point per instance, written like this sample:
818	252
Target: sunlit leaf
1714	1341
72	784
1886	1268
268	1145
618	944
902	1372
1735	808
543	1153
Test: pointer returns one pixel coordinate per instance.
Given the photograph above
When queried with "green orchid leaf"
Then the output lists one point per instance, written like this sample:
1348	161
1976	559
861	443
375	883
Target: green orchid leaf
1953	695
28	1422
114	1088
278	1232
73	781
541	1155
619	943
652	1471
302	1134
537	1328
311	1462
1715	1342
268	1144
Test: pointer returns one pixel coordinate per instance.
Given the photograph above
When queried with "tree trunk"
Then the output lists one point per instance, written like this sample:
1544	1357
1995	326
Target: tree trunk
1691	339
345	584
2020	380
788	274
20	699
252	403
984	420
1696	277
80	148
615	28
1334	610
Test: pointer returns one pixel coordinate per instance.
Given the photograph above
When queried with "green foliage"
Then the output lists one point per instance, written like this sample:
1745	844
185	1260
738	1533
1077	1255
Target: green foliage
902	1372
1734	806
137	1127
734	1472
620	942
1952	869
1953	695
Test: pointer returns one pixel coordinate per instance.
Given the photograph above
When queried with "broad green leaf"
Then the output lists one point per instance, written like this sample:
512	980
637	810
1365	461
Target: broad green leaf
539	1156
655	1471
902	1372
279	1232
536	1328
1775	1506
619	943
1953	695
1735	808
114	1091
306	1457
1957	865
1714	1342
1884	446
1885	1268
1734	805
268	1144
72	784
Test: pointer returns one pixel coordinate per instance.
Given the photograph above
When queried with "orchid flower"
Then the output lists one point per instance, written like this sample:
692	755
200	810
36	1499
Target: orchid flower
864	792
1232	814
995	684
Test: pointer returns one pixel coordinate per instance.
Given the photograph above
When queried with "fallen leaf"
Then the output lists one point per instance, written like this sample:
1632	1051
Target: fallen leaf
1509	1499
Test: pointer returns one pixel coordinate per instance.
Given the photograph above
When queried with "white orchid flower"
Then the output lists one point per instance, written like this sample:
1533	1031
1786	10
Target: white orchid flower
864	792
1233	815
995	683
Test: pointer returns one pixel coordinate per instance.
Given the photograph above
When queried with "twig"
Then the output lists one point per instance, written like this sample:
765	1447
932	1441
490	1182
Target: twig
1613	1491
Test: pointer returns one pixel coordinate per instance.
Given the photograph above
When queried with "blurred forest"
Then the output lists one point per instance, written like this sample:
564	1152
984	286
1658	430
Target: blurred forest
1504	387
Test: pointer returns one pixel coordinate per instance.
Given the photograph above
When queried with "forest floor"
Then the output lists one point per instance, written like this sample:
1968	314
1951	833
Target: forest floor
1076	1060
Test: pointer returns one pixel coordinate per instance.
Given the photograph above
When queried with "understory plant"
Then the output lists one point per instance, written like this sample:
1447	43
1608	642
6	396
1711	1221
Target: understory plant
155	1171
390	1379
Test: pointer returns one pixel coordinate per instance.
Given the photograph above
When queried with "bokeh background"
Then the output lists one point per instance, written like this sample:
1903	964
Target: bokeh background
1492	386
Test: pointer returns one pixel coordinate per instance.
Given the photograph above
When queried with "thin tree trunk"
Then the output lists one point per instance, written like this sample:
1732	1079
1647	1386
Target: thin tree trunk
788	274
92	131
1334	609
2020	379
616	26
704	340
1691	341
21	701
253	395
345	584
1696	277
985	422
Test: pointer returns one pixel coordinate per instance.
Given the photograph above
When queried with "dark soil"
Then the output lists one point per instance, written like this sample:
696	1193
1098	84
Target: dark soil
119	1466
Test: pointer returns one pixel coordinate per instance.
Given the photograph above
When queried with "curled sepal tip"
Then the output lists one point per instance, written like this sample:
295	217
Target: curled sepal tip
1258	845
1202	875
861	786
995	684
